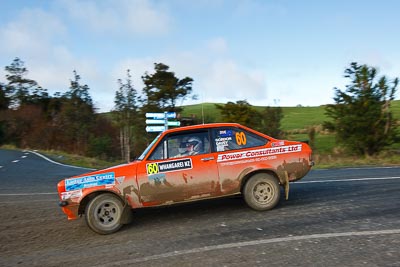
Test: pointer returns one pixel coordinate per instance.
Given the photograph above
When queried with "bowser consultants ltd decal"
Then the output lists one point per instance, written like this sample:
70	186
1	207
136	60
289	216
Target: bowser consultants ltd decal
259	153
90	181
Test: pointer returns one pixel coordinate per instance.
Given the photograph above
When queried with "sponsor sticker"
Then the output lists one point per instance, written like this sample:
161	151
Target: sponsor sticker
120	179
279	143
168	166
71	194
222	142
89	181
225	133
259	153
157	178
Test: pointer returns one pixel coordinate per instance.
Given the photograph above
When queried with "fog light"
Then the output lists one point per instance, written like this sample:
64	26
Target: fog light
63	203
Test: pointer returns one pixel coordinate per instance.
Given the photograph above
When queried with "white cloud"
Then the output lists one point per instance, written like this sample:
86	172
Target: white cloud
217	78
226	81
37	37
31	32
121	17
137	69
217	45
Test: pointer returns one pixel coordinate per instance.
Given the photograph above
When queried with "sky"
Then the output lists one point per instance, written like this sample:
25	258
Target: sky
268	52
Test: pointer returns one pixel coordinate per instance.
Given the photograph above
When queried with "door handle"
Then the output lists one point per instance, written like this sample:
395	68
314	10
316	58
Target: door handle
207	159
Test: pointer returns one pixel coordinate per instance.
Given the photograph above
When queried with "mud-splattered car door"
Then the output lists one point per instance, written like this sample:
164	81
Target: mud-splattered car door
232	145
180	168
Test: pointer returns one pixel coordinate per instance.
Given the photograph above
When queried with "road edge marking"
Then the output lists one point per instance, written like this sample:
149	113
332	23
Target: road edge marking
58	163
347	180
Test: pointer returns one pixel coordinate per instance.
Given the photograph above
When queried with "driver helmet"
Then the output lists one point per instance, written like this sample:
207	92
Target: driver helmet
196	142
182	147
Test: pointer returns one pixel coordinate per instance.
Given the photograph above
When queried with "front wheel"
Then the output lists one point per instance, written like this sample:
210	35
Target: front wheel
262	192
103	213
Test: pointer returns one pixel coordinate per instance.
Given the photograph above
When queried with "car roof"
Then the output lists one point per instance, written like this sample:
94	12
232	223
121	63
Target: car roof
203	126
214	125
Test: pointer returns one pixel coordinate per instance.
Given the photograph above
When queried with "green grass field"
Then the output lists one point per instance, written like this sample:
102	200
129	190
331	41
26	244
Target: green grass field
295	118
295	123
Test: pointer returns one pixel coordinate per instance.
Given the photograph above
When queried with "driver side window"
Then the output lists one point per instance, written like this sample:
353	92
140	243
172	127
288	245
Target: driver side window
189	144
182	145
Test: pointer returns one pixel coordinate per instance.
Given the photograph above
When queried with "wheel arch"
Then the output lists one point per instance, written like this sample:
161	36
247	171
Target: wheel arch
250	174
126	214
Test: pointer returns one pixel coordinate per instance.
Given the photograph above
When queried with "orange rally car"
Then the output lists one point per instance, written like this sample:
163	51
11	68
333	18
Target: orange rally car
187	164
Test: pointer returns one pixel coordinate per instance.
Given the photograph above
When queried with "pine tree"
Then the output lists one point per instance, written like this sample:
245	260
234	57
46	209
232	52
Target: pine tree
361	116
163	89
126	113
77	115
21	90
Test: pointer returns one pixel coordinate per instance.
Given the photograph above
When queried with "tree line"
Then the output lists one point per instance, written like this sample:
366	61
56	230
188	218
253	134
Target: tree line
31	118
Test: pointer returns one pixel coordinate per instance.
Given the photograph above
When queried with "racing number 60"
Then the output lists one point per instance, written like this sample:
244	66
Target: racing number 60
152	168
241	139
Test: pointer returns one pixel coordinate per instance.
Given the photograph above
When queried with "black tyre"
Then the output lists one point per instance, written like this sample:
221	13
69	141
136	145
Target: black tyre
103	214
262	192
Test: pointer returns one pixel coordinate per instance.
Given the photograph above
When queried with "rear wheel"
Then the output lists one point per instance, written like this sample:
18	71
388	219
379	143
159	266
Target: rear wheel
103	213
262	192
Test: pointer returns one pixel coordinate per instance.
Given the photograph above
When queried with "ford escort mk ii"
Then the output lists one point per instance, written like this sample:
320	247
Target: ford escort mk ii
187	164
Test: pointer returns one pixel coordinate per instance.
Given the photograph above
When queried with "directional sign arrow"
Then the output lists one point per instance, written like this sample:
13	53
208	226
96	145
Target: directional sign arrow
174	123
157	128
155	121
170	115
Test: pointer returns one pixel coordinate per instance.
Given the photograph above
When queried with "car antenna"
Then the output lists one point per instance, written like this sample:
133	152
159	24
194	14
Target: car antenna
202	112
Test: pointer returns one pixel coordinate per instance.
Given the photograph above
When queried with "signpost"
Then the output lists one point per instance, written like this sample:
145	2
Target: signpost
153	129
160	118
170	123
170	115
174	123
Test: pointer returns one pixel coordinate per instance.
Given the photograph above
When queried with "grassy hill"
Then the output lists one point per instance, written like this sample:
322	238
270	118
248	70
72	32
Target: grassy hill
296	122
295	118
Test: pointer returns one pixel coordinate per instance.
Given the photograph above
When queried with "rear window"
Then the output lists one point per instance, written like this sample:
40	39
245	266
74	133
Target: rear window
232	138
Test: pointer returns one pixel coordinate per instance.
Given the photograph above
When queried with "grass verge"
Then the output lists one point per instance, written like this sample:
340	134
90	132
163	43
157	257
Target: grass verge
329	161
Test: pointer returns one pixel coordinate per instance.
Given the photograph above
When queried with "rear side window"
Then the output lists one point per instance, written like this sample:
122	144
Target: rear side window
232	138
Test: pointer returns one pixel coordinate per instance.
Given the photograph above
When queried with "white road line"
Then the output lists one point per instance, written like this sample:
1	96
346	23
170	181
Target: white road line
348	180
24	201
252	243
15	161
52	161
368	168
23	157
26	194
299	182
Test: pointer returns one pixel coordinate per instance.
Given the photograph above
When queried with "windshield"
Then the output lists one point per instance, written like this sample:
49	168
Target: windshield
148	148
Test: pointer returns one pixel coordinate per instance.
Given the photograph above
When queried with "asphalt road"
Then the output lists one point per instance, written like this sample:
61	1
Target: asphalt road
340	217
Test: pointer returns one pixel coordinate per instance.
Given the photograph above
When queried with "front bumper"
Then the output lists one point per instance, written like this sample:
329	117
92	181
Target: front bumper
70	209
